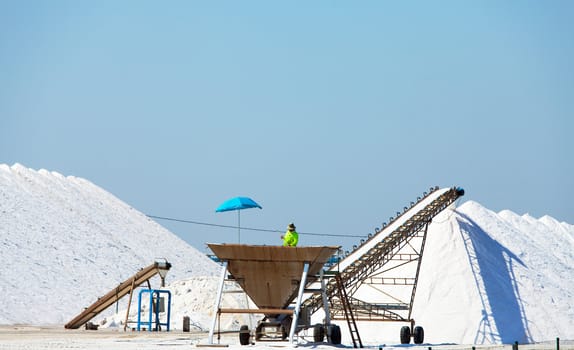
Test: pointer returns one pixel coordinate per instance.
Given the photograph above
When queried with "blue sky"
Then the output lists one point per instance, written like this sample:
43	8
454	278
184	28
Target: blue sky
330	114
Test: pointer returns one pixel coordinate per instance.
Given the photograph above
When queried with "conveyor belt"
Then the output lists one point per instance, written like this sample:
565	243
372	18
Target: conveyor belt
117	293
383	246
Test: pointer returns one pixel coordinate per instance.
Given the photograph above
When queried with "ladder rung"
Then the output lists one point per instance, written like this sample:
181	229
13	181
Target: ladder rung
330	273
313	290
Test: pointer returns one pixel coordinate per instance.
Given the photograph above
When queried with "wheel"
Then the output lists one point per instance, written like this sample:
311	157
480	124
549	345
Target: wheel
335	334
405	335
318	333
244	335
418	335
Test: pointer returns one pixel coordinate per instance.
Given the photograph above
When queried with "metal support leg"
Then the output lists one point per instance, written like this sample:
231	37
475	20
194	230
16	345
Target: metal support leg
298	305
217	302
325	300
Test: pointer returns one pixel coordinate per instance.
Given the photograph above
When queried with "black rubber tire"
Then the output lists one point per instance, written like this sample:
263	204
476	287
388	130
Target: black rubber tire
318	333
418	335
335	335
405	335
244	335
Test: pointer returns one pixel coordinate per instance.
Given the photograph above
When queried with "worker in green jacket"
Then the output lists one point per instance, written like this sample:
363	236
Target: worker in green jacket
291	237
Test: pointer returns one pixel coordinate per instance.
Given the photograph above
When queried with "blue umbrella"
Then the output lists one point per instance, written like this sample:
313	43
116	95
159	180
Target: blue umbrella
237	203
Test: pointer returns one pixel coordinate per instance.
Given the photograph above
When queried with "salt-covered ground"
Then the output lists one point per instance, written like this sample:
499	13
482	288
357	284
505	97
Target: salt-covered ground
51	337
486	277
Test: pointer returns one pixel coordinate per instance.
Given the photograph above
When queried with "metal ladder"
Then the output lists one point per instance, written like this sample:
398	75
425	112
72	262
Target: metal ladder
353	330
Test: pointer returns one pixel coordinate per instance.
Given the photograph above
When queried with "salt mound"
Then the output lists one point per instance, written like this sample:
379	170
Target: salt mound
489	278
65	242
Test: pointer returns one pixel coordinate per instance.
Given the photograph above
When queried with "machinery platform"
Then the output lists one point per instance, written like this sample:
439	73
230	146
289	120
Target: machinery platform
272	276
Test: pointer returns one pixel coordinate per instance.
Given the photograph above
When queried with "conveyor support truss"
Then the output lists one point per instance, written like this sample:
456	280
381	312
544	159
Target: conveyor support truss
385	247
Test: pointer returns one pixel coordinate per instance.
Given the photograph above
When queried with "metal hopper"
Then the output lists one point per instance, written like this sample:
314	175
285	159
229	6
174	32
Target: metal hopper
272	276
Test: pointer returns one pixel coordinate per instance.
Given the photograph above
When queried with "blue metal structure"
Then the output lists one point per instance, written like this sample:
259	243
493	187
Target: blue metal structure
154	309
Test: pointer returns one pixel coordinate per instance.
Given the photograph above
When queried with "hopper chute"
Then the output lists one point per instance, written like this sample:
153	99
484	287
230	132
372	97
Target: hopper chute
272	276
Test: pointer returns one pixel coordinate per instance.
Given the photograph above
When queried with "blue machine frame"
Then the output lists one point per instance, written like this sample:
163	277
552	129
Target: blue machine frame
154	294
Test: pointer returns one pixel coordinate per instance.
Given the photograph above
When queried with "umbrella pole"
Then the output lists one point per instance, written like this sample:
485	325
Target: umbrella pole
239	226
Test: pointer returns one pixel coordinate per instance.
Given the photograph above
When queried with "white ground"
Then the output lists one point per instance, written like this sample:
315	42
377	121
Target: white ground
51	337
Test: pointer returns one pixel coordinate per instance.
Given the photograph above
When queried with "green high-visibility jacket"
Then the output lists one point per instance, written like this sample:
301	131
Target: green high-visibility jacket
290	239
